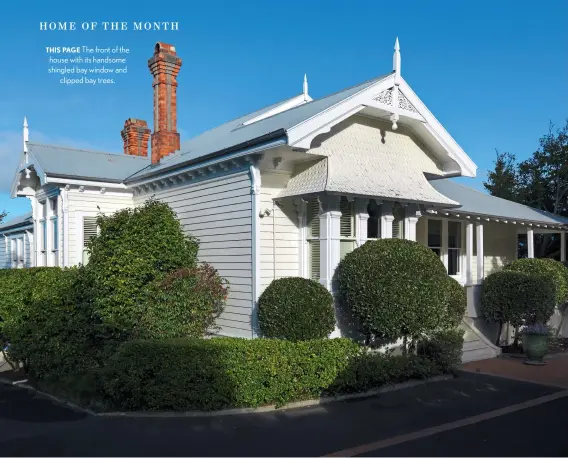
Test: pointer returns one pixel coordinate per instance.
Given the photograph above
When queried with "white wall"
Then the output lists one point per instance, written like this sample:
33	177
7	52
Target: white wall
85	203
218	212
279	232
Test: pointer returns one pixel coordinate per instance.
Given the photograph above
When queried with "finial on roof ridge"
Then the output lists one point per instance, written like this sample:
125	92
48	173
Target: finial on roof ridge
26	136
305	88
396	61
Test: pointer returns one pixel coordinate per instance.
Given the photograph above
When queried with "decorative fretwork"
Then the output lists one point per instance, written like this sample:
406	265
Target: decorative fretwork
404	103
385	97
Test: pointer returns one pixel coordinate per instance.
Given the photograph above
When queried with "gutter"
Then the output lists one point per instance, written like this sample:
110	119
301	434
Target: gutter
278	134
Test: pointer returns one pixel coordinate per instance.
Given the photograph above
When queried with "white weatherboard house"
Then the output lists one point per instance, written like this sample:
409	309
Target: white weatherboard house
286	191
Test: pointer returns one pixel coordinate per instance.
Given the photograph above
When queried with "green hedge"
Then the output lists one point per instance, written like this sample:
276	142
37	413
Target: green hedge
296	308
396	288
551	270
52	332
222	372
457	304
517	298
444	349
198	374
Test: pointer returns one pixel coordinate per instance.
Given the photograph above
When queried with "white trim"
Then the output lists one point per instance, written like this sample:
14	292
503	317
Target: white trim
303	246
444	247
96	184
256	280
386	220
480	255
469	253
361	220
289	104
530	243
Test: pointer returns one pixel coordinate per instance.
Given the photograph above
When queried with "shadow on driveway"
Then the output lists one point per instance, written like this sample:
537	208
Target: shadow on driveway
20	404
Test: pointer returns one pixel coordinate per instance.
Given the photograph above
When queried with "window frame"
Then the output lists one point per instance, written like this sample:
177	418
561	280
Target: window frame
444	245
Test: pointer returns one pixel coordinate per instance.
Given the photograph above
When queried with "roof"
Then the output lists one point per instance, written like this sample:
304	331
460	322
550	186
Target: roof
479	203
235	134
77	163
22	220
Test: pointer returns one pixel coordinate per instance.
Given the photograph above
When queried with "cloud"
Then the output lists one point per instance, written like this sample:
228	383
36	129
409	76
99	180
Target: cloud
11	145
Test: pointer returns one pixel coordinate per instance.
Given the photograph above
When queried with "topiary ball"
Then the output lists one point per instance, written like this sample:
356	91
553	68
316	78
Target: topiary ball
295	308
550	269
394	287
515	297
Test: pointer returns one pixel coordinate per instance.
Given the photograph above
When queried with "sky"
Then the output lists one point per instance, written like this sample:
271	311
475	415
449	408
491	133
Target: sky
493	73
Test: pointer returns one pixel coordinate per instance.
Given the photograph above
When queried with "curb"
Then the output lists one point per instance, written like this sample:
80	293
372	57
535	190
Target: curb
272	408
239	411
23	384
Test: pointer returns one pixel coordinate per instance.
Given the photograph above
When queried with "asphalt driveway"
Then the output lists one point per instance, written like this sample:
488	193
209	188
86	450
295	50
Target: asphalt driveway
31	425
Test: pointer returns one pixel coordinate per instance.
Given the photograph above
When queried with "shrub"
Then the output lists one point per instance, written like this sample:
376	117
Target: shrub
443	348
553	271
208	374
16	287
456	305
394	287
134	247
296	309
52	331
372	370
183	304
517	298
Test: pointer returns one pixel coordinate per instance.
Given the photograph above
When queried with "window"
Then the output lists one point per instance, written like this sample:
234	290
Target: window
20	252
313	226
435	236
54	231
374	222
398	222
43	237
454	247
346	228
89	231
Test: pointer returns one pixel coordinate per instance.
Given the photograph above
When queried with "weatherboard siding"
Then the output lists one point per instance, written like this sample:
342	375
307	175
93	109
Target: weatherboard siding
4	253
5	249
279	233
85	203
218	213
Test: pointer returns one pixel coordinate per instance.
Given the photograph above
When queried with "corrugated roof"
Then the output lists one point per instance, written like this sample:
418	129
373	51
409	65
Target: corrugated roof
77	163
479	203
21	220
234	133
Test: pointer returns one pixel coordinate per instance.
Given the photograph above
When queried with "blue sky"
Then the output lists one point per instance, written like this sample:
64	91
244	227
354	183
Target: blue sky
493	73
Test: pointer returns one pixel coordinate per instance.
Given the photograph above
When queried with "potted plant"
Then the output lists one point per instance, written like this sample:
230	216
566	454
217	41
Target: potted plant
535	342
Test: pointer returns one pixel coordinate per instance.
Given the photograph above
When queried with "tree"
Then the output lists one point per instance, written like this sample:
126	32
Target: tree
2	215
503	181
540	181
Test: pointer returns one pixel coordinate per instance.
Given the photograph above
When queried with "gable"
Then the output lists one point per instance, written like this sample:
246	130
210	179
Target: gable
364	136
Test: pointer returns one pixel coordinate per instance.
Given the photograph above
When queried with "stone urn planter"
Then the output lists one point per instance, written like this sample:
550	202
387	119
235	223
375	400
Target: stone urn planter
536	338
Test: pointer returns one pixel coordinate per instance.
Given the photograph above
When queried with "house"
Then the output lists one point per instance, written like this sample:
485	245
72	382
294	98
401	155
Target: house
287	191
16	240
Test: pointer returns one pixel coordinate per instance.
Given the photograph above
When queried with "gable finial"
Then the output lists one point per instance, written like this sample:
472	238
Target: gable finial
26	135
396	59
305	89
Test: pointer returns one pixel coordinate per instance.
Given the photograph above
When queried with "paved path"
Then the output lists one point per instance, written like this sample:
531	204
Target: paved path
30	425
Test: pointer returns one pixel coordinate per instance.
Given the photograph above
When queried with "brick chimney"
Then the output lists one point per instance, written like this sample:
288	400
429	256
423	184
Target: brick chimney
135	136
164	66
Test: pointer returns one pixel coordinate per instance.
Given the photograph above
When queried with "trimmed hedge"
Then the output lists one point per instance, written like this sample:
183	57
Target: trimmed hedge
396	288
444	349
135	246
212	374
518	298
296	308
183	304
52	332
222	372
553	271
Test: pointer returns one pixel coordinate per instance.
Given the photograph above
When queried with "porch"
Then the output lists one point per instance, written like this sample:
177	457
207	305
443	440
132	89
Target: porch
470	243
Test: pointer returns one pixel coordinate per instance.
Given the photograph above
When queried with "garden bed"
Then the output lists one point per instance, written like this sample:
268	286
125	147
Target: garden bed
557	345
